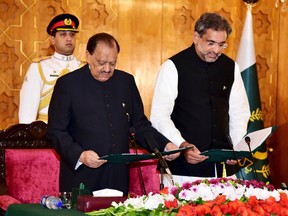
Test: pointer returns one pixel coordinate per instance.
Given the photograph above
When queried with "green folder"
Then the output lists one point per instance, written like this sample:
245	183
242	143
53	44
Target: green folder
132	157
221	155
241	150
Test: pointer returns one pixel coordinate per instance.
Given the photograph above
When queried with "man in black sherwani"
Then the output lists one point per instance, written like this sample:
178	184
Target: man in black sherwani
90	115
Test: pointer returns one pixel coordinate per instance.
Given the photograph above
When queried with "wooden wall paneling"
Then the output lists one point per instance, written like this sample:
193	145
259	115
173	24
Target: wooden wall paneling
266	58
177	28
95	17
139	34
266	37
278	158
124	36
11	59
267	61
8	105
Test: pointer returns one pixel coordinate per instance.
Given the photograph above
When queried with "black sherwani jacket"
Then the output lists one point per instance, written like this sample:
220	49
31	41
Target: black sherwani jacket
85	114
201	110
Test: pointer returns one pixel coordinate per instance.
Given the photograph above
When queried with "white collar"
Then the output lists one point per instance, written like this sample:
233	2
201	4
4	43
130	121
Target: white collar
63	57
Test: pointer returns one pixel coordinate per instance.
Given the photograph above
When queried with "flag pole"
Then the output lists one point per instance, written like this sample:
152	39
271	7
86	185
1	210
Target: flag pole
250	3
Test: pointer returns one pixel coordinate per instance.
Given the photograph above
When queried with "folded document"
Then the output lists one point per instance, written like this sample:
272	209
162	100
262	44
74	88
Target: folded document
241	150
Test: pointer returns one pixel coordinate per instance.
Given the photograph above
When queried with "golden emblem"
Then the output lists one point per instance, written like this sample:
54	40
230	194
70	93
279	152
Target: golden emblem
67	21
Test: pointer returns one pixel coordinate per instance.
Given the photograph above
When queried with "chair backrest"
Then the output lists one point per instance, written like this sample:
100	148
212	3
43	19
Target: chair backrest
28	164
150	175
31	173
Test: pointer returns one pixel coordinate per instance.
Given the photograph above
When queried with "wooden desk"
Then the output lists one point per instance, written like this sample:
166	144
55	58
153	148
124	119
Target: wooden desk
38	210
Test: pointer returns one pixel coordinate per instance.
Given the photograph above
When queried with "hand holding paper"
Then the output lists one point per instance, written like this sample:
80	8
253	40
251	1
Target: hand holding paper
169	147
193	156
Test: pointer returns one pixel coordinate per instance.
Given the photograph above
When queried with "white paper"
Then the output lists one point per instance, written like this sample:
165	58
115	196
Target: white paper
256	139
107	193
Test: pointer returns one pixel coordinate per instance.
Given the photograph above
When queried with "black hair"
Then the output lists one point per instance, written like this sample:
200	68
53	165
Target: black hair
101	37
212	21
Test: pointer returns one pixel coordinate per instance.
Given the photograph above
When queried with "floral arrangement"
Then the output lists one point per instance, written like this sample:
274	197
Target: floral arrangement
221	196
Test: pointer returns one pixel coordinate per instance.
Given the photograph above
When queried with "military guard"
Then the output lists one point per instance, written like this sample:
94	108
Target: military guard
42	74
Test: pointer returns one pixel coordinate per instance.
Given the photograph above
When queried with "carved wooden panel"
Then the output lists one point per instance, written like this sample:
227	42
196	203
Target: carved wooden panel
278	158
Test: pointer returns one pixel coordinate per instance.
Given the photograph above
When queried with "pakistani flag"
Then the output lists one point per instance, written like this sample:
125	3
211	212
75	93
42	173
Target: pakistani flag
247	63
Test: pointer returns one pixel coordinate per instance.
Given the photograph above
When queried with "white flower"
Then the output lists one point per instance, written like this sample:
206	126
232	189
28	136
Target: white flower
261	193
205	192
233	193
136	202
116	204
169	197
282	191
276	195
218	189
149	202
189	194
153	201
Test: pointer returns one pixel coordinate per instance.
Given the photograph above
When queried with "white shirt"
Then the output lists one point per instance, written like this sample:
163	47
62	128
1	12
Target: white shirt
166	91
34	85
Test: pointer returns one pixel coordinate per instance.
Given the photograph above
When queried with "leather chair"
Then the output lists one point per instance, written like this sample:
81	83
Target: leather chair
29	166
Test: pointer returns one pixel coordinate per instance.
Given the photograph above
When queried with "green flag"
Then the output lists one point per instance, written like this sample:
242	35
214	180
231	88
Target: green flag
255	167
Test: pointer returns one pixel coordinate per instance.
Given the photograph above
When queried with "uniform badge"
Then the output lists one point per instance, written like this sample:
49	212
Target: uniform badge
67	21
54	75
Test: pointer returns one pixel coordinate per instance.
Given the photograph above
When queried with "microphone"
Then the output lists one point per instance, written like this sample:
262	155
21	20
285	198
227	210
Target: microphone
230	143
248	141
150	140
132	137
132	134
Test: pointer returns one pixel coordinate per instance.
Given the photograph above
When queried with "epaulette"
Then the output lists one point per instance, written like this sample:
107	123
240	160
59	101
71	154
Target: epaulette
41	58
83	61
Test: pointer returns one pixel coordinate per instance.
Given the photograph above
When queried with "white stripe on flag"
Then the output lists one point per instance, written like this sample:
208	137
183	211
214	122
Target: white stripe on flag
246	52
